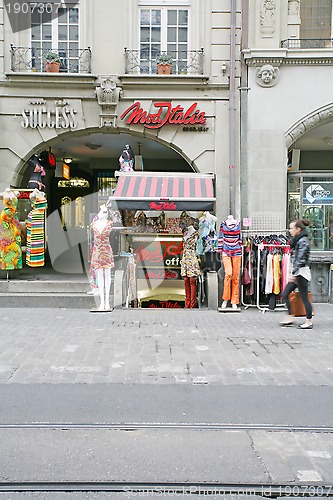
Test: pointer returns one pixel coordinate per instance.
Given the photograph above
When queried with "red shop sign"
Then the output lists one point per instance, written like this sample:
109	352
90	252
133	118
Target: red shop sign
165	114
162	205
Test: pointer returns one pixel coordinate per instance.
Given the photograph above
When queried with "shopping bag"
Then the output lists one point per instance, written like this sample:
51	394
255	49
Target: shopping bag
296	305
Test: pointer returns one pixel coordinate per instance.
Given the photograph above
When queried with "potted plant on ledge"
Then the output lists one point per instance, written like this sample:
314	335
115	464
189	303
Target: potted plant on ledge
164	64
52	64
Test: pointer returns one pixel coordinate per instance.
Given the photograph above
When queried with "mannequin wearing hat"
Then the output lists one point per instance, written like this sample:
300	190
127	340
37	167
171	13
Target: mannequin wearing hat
189	266
230	245
126	159
102	259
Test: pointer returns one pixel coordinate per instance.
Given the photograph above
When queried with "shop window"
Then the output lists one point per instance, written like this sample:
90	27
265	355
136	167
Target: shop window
60	34
66	211
106	183
79	212
164	30
311	197
316	19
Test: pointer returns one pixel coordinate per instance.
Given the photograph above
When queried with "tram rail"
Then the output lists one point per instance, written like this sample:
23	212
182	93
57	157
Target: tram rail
206	426
176	488
188	488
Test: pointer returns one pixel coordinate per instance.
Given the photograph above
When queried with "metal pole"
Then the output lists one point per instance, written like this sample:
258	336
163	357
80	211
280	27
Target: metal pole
232	107
244	114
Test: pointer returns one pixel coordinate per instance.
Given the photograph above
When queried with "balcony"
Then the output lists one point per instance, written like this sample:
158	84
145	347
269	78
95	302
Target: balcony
28	59
183	62
307	43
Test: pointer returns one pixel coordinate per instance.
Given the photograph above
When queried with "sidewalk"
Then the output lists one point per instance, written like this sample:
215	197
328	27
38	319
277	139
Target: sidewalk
70	365
143	346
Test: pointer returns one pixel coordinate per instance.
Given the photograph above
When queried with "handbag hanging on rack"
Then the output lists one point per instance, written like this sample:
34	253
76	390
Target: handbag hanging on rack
296	305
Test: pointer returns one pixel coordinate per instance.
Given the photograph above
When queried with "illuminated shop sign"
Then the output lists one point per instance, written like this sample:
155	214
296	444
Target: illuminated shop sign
39	114
165	115
318	193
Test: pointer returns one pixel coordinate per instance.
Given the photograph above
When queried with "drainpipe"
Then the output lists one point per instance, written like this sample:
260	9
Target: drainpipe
244	89
232	107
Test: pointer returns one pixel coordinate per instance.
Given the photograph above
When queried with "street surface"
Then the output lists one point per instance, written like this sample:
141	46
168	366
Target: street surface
158	368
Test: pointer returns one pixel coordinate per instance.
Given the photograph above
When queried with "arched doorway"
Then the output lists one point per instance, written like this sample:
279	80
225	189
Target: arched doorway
310	192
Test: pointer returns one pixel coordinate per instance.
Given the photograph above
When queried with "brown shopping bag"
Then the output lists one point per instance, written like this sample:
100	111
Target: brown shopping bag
296	305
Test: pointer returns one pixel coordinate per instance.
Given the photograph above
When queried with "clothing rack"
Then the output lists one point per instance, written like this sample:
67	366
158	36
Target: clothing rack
260	247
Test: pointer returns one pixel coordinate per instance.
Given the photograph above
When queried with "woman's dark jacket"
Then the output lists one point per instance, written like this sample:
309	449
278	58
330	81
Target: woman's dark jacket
300	250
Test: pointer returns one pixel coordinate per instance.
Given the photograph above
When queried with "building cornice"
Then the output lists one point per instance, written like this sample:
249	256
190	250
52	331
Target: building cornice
278	57
169	81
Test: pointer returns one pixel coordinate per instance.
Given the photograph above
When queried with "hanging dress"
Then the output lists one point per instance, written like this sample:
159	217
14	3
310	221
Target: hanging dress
35	256
10	236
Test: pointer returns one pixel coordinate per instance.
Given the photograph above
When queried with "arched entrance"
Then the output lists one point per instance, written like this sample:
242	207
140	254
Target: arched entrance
310	191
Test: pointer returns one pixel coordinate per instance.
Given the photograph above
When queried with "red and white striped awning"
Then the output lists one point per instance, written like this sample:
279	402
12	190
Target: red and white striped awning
161	191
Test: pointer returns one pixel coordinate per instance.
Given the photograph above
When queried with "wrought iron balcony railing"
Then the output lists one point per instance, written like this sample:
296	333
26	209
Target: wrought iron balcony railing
33	59
307	43
182	62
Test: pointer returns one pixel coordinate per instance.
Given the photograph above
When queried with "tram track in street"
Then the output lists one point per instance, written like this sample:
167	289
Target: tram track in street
175	488
294	489
207	426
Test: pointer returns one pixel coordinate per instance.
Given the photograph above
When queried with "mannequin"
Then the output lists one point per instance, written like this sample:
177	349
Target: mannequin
189	266
10	233
36	173
206	228
126	159
230	244
102	259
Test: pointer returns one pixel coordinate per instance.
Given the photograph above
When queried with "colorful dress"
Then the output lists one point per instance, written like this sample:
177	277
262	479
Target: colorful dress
35	256
102	255
10	236
206	228
189	265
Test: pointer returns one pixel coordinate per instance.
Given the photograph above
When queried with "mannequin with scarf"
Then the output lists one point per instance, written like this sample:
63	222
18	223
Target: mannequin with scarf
189	266
230	244
301	275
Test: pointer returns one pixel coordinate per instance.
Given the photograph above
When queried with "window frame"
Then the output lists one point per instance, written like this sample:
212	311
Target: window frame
178	64
41	46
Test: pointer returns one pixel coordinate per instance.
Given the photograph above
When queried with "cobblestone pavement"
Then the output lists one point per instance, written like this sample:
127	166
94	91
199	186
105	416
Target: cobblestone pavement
164	347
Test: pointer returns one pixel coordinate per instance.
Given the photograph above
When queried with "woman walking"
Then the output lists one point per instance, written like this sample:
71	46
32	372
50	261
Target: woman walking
301	274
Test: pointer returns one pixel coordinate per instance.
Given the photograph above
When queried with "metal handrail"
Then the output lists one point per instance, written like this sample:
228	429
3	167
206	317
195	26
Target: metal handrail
307	43
33	59
183	62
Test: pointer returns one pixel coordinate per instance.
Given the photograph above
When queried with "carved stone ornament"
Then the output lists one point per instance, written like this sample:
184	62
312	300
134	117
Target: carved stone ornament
267	75
293	7
108	95
267	18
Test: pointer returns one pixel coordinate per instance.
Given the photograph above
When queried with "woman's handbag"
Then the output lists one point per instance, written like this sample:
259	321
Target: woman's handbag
296	305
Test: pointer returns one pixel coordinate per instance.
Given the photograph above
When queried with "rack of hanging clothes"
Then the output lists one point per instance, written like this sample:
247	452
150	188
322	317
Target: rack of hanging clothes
265	270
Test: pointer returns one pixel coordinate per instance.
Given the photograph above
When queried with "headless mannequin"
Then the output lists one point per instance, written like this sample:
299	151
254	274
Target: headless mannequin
209	216
103	272
231	258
